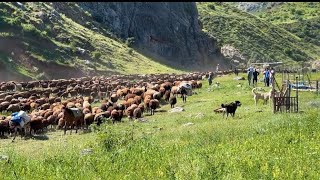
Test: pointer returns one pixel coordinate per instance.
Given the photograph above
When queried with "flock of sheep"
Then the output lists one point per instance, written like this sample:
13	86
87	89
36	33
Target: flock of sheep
67	104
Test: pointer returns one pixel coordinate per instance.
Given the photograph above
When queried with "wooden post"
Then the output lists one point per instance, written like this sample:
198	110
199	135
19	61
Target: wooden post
297	94
282	74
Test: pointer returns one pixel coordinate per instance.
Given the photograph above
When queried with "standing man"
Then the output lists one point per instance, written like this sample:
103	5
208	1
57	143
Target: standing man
255	76
272	73
236	72
250	72
267	77
210	78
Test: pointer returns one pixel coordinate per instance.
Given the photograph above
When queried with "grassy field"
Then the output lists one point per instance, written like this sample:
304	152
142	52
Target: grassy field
256	144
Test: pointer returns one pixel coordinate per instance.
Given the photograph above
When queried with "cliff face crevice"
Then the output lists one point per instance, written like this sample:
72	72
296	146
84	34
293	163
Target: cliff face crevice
170	30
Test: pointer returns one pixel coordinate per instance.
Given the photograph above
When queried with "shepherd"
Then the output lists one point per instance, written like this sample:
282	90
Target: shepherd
210	78
20	120
250	74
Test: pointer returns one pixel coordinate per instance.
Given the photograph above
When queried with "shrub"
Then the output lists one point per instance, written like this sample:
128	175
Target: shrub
299	12
96	55
112	139
87	13
129	41
211	6
29	28
44	34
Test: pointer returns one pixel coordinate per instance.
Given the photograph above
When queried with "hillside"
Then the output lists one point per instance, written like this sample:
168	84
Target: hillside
254	7
299	18
169	30
39	41
257	40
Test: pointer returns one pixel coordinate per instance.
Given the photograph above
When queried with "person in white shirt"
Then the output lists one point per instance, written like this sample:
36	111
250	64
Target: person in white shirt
250	73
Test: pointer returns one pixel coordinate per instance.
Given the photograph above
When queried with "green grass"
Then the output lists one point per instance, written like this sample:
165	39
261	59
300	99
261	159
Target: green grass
253	145
291	12
257	40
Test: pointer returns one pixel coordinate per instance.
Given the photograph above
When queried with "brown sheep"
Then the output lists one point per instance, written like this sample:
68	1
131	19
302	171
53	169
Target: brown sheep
137	99
13	108
4	126
36	124
129	112
114	98
4	106
45	106
153	104
89	118
128	96
137	113
157	96
34	105
141	106
115	116
86	104
70	105
199	84
86	111
167	96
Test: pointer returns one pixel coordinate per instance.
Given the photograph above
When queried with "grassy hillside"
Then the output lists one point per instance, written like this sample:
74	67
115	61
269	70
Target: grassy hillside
45	40
299	18
257	40
291	12
256	144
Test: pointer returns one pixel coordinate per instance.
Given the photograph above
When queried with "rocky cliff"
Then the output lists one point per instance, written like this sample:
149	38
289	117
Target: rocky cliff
169	31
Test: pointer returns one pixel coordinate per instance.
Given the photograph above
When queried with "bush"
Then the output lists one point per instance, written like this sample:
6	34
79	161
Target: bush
87	13
111	138
29	28
96	55
211	6
44	34
299	12
129	41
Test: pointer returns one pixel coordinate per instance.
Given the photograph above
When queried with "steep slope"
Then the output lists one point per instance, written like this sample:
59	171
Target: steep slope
166	30
256	40
43	40
299	18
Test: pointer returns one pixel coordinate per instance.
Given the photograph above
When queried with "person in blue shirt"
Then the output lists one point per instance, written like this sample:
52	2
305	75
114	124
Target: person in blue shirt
267	77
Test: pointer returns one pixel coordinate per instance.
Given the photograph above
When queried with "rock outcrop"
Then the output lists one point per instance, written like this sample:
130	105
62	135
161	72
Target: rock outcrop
170	31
